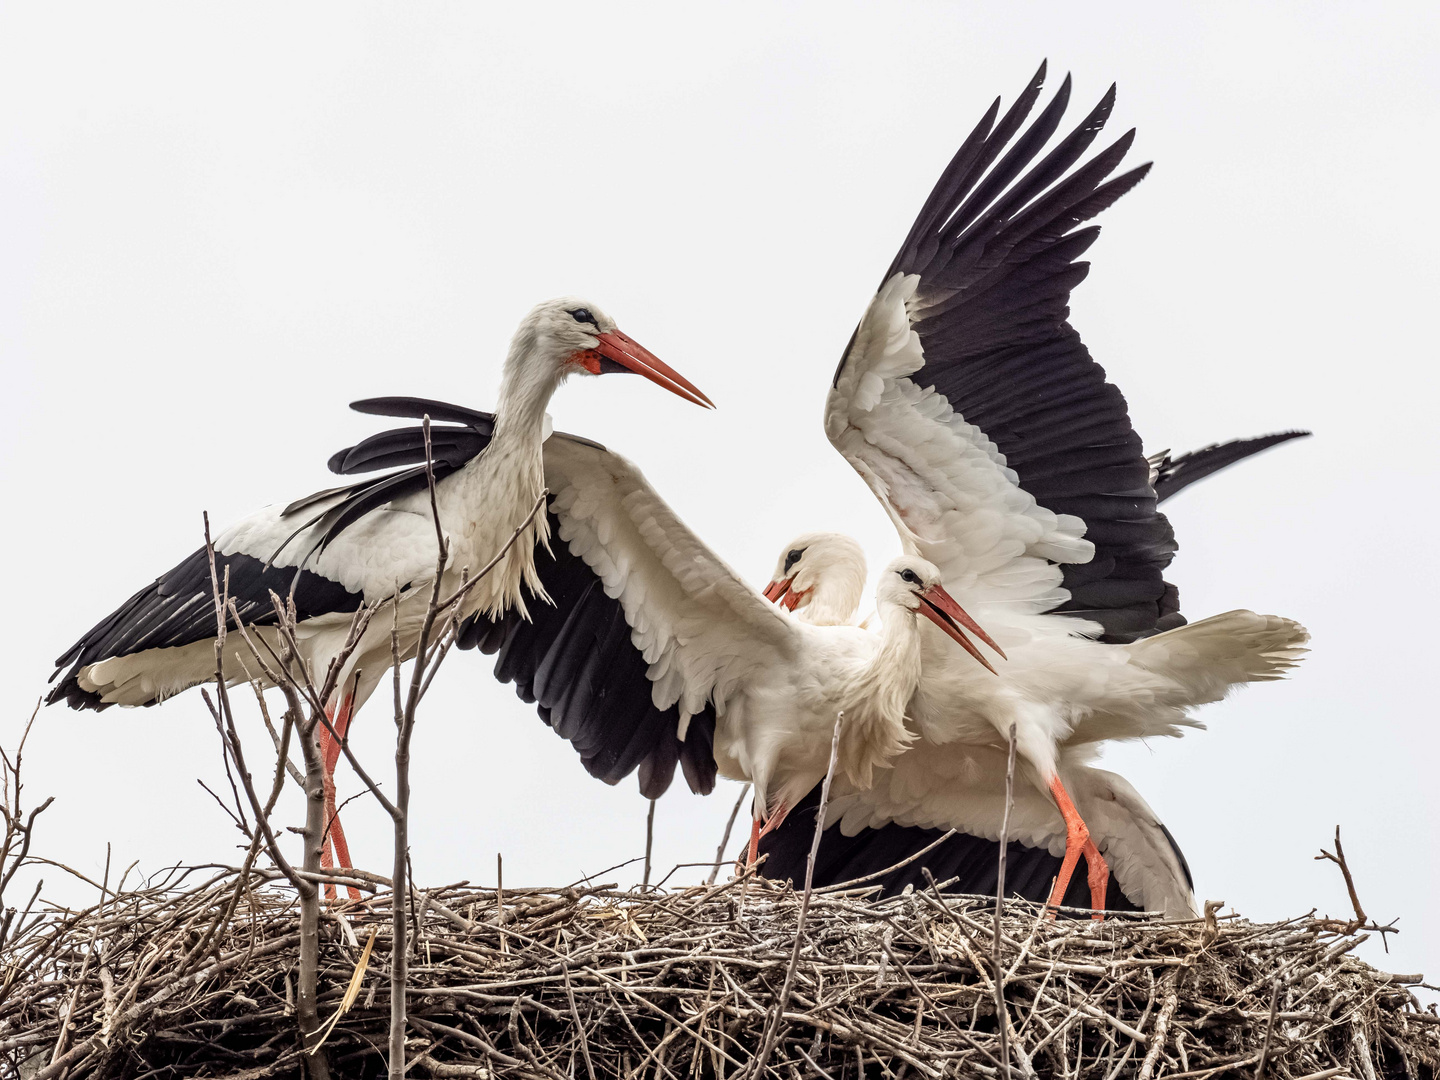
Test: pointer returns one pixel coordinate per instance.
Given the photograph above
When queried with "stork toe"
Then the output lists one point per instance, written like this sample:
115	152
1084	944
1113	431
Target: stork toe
1099	878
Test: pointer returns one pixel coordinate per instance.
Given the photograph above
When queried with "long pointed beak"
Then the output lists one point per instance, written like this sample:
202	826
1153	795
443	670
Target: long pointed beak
776	589
941	609
778	592
625	351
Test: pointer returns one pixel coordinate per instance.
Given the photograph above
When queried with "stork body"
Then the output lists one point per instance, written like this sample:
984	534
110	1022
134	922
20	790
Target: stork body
1061	700
777	733
933	788
976	416
373	543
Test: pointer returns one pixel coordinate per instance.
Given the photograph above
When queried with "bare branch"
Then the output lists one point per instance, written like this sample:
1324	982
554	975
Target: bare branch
772	1029
1002	1011
725	839
1339	860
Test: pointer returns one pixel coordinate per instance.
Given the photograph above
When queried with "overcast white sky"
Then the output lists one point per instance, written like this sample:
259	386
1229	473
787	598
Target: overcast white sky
218	225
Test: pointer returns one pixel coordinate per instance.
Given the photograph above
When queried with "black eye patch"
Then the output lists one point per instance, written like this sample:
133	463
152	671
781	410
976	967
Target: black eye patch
793	558
909	576
583	315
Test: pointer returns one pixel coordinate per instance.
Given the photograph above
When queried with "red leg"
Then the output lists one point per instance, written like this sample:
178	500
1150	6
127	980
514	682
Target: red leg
1099	878
1076	837
330	757
757	831
776	820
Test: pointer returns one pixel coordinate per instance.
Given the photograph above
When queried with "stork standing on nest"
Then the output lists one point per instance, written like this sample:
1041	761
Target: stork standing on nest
1001	454
371	543
821	577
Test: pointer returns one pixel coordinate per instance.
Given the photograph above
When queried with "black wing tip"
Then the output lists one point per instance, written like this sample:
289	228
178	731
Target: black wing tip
377	406
70	693
414	408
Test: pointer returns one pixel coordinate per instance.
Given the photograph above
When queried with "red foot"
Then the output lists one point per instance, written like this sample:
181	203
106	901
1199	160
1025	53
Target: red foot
1099	878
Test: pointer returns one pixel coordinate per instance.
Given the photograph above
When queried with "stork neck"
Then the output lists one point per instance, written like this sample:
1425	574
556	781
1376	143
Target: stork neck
828	605
876	699
897	661
525	391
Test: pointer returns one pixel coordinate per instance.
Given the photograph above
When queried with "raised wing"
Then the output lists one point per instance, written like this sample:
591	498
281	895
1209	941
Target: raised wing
650	633
973	410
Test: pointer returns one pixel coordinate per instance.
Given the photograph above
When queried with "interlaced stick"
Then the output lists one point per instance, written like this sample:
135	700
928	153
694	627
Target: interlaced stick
684	981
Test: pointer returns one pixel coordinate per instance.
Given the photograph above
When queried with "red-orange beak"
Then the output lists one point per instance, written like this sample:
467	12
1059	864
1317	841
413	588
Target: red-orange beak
940	608
778	592
628	354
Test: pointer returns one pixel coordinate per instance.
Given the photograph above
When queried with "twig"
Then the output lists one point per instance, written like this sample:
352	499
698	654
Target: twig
649	842
1002	1012
317	1066
772	1030
725	840
1171	1002
1339	860
1269	1032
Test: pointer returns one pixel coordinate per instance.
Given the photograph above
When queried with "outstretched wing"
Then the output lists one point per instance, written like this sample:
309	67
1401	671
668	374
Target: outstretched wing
650	633
974	411
939	788
962	863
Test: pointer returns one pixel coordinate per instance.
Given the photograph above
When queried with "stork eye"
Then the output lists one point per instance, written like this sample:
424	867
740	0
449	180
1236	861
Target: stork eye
583	315
793	558
910	577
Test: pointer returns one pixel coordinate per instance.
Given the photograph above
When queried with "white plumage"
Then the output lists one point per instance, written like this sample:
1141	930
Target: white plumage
358	545
952	783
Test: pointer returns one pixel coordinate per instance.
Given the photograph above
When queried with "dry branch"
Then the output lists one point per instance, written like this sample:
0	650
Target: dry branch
682	983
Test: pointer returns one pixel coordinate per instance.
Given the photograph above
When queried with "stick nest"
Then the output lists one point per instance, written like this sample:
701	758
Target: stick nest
199	980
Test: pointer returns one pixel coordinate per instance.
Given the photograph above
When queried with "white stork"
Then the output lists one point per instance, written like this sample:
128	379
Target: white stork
1006	460
371	543
821	577
975	414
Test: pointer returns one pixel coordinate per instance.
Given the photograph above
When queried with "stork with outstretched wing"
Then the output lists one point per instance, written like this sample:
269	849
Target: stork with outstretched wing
1006	461
821	578
370	543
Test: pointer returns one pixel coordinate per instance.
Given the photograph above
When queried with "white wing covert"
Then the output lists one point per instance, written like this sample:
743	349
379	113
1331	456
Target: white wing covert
700	628
973	410
648	632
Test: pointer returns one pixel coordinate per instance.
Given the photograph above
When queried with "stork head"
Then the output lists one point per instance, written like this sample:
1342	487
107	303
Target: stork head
912	584
821	577
571	336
